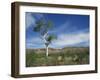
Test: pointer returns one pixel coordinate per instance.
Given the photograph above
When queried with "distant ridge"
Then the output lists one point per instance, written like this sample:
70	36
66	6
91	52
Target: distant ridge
58	50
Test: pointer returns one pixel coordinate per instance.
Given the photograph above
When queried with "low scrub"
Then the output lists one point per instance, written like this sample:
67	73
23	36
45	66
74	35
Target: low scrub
65	56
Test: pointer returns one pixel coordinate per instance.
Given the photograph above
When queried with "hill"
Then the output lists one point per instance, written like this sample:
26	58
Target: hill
55	50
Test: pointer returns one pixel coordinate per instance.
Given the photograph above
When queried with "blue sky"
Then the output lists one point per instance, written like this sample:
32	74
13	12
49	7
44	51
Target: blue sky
71	30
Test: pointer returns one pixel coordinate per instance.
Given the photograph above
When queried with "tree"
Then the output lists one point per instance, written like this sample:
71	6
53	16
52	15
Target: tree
42	27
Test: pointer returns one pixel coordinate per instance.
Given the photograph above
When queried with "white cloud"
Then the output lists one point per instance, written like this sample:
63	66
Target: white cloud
63	40
35	42
29	20
70	39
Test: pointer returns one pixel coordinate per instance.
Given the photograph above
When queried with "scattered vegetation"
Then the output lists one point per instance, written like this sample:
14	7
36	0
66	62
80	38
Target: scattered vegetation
65	56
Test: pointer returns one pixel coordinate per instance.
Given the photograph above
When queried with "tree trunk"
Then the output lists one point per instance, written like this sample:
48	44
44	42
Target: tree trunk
47	51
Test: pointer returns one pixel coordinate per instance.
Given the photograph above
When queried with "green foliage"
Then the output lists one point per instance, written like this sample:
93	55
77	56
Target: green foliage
37	29
49	24
42	26
39	25
51	37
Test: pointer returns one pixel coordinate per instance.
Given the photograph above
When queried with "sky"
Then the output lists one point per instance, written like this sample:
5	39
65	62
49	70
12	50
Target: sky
71	30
